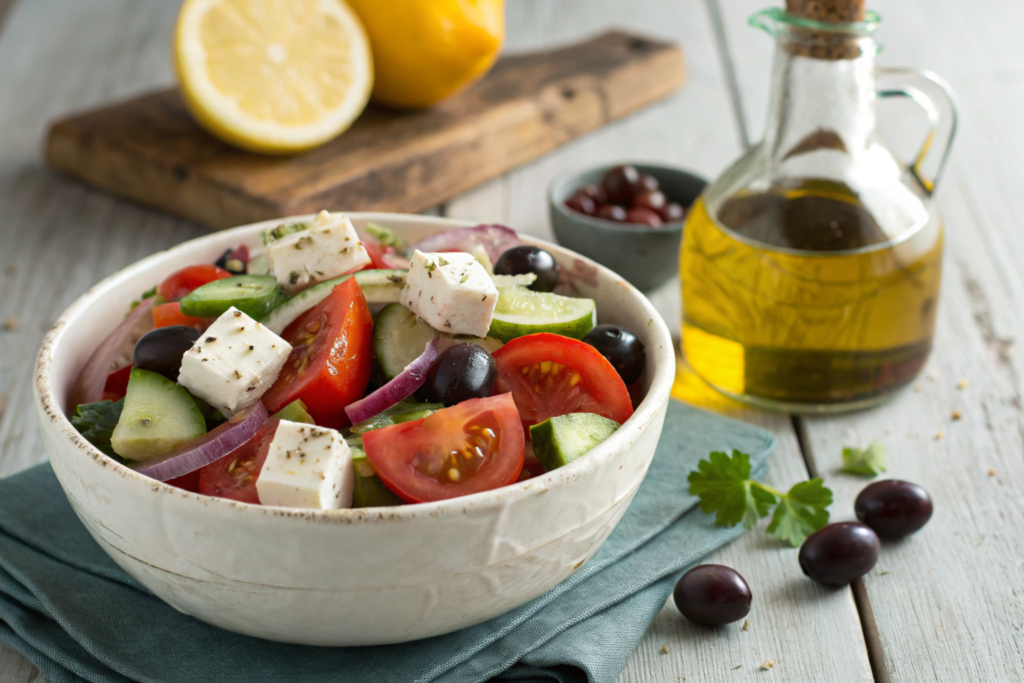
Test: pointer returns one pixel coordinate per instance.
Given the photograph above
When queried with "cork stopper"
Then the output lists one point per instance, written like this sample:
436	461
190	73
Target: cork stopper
822	44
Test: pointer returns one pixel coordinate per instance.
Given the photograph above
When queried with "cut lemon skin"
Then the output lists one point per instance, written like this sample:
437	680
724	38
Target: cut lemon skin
273	76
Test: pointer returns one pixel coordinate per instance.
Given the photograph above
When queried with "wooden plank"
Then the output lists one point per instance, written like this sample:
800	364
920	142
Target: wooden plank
149	148
812	633
947	600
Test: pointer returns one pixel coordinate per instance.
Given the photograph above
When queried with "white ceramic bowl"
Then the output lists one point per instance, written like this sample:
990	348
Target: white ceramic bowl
346	577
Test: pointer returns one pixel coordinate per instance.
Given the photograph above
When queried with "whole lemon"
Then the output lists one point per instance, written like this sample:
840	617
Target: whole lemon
426	50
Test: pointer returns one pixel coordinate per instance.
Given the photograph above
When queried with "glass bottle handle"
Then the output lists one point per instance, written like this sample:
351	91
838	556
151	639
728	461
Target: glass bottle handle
933	94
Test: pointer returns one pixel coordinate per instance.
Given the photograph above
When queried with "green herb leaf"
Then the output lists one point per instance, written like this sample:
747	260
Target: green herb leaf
869	462
282	230
801	512
96	422
724	486
385	236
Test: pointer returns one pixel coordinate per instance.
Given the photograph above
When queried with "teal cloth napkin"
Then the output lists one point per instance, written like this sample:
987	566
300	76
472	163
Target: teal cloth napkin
78	617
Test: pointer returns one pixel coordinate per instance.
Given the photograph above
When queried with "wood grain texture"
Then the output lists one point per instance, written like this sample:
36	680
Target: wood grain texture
947	601
149	149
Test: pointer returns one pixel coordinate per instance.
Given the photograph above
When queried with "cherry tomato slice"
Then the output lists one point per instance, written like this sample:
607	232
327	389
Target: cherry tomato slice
188	482
117	384
551	375
180	283
234	476
330	364
474	446
166	315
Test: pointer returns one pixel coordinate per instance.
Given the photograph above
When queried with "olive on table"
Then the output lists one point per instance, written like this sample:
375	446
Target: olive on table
461	372
582	202
893	508
622	349
527	259
839	553
642	216
713	595
161	350
618	184
611	212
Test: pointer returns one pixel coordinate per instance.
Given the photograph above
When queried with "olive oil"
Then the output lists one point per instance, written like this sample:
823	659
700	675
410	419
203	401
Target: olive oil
797	298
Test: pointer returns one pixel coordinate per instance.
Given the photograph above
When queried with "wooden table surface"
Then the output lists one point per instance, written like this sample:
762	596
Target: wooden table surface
944	605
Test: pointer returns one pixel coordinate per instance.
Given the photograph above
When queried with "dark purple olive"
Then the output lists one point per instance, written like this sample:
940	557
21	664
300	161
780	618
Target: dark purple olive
582	203
654	200
461	372
645	183
161	350
642	216
839	553
594	192
611	212
713	595
672	212
618	184
526	259
893	508
622	349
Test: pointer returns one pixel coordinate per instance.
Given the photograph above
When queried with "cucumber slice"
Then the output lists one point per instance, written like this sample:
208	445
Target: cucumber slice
258	265
158	416
369	491
399	338
254	295
379	287
560	440
489	344
521	311
403	411
295	412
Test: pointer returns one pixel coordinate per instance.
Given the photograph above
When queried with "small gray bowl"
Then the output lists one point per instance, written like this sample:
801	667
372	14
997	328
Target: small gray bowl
645	256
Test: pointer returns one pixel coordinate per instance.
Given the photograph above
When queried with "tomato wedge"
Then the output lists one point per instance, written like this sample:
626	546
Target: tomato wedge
234	476
116	385
551	375
166	315
474	446
181	282
330	364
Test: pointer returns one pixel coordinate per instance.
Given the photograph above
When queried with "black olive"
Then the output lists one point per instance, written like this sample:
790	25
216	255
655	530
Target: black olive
461	372
893	508
839	553
622	349
526	259
161	350
713	595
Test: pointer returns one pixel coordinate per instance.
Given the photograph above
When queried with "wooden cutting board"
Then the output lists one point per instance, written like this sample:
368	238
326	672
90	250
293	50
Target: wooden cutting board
148	149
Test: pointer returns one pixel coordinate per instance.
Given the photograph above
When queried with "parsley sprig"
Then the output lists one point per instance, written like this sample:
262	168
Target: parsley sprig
868	462
723	484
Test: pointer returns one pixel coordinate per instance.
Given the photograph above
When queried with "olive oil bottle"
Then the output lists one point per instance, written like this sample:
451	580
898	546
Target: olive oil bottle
811	268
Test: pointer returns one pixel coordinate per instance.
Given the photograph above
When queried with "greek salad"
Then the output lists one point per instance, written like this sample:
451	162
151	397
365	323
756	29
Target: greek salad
342	368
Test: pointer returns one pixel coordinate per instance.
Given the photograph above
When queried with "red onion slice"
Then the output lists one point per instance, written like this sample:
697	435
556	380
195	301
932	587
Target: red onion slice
494	238
211	446
89	387
401	387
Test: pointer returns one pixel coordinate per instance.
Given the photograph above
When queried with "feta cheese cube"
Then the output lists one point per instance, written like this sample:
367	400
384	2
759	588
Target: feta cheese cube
327	249
307	467
233	363
452	292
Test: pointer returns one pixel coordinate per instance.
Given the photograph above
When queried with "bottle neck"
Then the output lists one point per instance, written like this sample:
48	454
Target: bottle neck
820	104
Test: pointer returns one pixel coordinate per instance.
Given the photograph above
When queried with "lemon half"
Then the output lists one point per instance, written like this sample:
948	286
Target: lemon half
273	76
